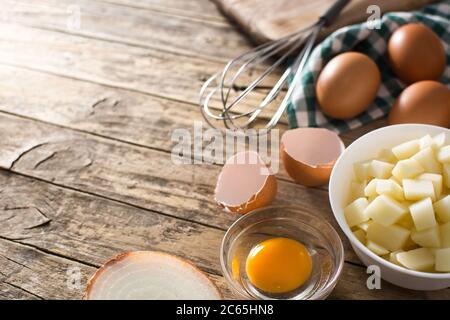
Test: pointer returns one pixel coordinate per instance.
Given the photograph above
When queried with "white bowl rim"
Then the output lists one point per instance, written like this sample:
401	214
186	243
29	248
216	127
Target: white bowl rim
354	241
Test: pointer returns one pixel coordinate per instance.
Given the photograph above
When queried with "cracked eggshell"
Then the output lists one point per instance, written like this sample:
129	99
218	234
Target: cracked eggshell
309	154
245	183
149	275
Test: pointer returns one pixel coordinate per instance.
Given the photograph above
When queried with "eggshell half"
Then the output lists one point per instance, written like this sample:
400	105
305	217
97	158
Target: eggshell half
245	183
149	275
309	154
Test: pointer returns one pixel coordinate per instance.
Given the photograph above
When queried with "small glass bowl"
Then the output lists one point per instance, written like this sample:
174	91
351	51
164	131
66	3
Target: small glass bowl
321	240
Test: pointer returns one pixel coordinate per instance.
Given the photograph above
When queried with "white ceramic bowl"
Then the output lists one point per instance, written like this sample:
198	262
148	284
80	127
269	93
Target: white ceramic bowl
365	148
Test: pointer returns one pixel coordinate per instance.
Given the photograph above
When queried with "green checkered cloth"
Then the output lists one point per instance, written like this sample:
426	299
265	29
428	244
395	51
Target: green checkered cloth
303	110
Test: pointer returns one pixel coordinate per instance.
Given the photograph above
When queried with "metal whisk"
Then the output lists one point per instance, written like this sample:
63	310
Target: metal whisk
222	84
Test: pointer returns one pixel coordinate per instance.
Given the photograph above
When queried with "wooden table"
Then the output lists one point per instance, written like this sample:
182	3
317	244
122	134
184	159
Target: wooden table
86	114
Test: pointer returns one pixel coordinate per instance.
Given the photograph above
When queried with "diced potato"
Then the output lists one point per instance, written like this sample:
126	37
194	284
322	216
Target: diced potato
446	173
376	248
386	155
442	260
429	238
445	235
384	210
420	259
371	189
390	188
436	179
360	235
390	237
393	257
439	140
410	245
364	226
406	150
426	142
406	221
428	160
444	154
442	208
380	169
361	170
418	189
357	190
422	214
408	168
355	212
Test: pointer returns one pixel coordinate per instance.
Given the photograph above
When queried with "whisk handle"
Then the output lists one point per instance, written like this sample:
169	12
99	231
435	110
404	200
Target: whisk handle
331	14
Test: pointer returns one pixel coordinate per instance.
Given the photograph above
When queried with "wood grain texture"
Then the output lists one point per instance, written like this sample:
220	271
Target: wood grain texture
136	27
198	9
117	65
85	124
85	231
265	20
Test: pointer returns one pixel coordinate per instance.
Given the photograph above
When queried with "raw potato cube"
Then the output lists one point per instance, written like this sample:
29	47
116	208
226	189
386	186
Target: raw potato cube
408	168
421	259
390	237
446	172
406	150
426	142
410	245
418	189
360	235
422	214
357	190
393	257
442	260
387	156
355	212
439	140
371	189
361	170
384	210
436	179
406	221
442	208
364	226
445	235
444	154
376	248
428	161
390	188
380	169
429	238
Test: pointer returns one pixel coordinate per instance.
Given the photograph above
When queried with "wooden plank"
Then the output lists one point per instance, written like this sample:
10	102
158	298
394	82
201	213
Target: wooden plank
138	69
198	9
133	174
86	228
137	27
119	114
266	20
30	273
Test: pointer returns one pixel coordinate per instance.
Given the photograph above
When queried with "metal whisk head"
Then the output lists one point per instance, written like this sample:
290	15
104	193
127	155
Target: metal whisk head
244	79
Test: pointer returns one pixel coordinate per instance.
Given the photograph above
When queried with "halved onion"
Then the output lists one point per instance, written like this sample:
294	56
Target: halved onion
245	183
149	275
309	154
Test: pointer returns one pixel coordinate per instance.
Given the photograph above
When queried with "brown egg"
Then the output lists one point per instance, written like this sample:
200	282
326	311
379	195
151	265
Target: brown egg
309	154
245	183
347	85
416	53
422	102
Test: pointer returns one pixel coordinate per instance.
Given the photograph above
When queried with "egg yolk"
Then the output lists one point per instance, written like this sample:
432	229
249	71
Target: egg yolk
278	265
